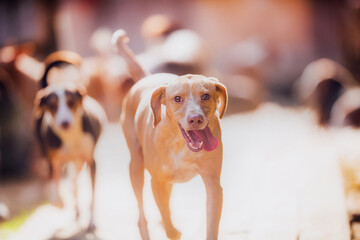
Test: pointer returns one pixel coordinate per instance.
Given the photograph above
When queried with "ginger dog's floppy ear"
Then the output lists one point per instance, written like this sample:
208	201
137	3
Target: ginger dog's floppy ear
156	101
222	98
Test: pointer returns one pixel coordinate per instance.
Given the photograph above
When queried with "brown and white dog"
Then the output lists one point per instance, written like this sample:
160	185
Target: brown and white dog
68	122
181	113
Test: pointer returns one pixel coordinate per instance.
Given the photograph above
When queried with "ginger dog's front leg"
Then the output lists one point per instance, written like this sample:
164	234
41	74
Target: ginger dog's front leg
214	200
162	191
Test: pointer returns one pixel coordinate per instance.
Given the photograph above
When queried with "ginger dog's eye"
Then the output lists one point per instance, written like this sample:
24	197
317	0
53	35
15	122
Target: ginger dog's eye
178	99
205	97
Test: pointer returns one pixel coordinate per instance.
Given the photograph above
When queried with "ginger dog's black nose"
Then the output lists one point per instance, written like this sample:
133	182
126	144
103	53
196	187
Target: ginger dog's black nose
195	119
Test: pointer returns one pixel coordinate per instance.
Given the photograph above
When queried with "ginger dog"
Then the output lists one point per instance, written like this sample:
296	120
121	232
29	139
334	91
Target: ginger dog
68	122
172	128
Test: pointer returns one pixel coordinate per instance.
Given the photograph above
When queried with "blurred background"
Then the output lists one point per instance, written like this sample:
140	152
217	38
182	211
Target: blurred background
291	158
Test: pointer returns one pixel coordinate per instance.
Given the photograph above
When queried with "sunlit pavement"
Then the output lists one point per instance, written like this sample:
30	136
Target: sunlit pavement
280	176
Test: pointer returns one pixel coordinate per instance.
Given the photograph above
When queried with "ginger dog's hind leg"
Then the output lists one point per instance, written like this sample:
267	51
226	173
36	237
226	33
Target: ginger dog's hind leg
92	167
137	170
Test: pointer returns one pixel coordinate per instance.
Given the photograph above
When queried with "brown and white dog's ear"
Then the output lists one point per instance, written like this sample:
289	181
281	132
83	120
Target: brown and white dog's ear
80	92
222	98
156	101
40	103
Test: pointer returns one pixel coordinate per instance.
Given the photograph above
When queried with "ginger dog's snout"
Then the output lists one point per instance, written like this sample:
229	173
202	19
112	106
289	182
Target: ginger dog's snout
195	120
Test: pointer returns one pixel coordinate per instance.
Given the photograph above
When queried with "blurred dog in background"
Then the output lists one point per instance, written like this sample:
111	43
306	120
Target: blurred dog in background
68	122
105	74
19	80
321	84
171	48
334	94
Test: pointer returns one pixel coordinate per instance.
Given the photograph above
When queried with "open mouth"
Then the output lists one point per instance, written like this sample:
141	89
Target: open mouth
197	140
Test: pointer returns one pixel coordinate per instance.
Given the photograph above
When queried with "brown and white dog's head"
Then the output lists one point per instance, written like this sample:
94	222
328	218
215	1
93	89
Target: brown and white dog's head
63	102
62	92
191	101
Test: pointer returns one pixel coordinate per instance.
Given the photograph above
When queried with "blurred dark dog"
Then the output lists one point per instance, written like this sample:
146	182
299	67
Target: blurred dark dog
321	84
244	67
68	122
19	76
346	109
346	113
334	94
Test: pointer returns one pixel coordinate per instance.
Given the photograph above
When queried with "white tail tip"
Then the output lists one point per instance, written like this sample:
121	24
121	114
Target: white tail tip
119	37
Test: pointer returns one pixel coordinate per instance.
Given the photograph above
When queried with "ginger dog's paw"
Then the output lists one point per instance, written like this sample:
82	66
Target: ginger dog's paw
56	200
77	213
57	203
174	234
143	229
92	227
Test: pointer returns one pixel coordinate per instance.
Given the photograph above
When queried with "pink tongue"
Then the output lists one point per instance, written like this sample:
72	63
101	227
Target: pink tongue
210	143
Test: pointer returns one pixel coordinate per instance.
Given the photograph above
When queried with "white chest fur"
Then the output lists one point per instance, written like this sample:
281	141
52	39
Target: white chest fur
75	143
182	165
77	147
168	154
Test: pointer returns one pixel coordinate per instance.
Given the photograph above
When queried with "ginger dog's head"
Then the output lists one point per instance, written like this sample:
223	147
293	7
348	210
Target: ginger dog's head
191	101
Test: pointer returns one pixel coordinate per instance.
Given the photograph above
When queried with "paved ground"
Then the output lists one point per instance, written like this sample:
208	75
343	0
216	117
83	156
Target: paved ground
281	181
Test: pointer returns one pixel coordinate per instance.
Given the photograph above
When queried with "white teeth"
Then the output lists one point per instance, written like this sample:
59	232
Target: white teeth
201	143
189	139
193	146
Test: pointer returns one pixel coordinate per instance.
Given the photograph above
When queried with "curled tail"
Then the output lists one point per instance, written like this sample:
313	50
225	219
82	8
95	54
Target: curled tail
59	58
119	40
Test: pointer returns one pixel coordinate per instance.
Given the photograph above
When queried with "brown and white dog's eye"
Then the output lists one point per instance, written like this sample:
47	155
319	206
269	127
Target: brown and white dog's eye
52	107
205	97
71	103
71	99
178	99
52	102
